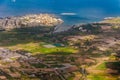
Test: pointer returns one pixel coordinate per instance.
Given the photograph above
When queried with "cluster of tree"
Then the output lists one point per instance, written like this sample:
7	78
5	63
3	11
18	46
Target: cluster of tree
85	45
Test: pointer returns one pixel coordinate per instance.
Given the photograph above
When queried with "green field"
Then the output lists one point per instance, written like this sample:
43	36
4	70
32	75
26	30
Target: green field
32	42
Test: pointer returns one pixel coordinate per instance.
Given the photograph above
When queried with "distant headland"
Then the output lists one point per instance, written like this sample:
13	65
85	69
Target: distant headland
33	20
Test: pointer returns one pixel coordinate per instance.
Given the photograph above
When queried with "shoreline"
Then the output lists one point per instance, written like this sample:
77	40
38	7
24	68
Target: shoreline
42	20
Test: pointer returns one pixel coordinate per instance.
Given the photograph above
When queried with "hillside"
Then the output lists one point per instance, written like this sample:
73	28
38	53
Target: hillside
84	52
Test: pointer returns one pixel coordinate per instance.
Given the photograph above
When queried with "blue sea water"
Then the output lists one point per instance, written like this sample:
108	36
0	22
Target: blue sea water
71	11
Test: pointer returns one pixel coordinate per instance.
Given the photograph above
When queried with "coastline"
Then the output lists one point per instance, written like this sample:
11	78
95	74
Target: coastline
32	20
44	20
28	52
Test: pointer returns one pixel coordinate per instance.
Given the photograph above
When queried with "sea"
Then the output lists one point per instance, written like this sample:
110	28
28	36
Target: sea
71	11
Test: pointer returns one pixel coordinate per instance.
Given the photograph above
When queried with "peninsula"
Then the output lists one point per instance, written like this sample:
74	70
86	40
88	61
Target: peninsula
33	20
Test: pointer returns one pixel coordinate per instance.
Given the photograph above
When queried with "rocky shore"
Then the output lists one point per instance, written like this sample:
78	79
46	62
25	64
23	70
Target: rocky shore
33	20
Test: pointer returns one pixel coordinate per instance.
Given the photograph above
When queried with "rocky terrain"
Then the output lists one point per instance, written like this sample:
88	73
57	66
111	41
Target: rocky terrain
90	52
29	21
101	42
6	55
14	65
